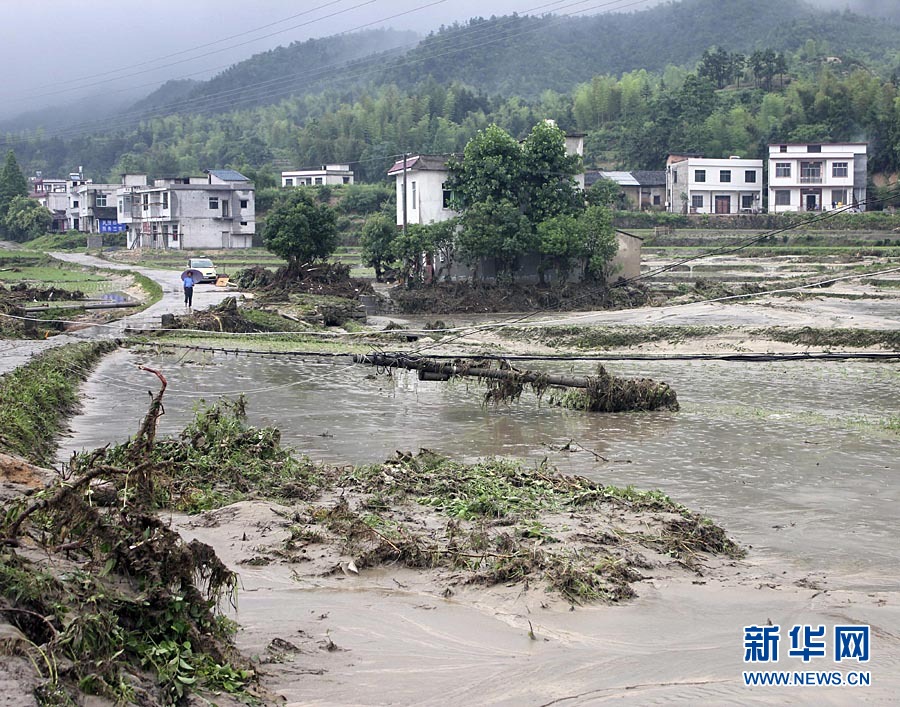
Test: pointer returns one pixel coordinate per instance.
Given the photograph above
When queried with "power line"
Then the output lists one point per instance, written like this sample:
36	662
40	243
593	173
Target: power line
281	86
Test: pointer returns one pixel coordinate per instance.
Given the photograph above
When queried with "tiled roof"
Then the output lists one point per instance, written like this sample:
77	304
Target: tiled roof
650	178
228	175
420	162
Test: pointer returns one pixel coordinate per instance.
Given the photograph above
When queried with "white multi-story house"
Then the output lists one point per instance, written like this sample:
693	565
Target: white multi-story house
423	180
196	213
700	185
313	176
52	195
817	177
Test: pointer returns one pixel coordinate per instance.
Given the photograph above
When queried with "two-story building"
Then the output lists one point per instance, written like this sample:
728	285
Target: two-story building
817	177
701	185
52	195
89	204
196	213
313	176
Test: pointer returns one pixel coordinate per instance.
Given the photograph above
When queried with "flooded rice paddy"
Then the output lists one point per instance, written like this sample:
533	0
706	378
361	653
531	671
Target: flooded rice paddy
798	460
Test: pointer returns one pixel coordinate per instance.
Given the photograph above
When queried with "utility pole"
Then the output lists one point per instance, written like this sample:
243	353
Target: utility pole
405	155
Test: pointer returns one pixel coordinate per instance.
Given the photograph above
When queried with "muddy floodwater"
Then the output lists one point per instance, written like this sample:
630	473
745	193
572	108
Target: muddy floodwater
799	462
797	458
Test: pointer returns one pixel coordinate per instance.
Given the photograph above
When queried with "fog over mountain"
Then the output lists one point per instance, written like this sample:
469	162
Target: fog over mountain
99	56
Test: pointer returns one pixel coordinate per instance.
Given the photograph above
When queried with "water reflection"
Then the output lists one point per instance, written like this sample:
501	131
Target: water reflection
791	457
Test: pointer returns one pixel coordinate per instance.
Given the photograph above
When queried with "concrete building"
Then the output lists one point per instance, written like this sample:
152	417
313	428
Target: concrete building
326	174
427	197
188	213
428	201
699	185
89	204
641	190
817	177
52	195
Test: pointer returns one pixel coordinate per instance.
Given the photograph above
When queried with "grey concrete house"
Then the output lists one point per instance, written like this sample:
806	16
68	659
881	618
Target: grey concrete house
188	213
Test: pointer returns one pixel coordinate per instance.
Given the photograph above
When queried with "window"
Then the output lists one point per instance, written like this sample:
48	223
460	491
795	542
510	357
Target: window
782	197
174	231
121	205
700	175
839	169
446	195
413	206
697	201
288	181
782	169
782	148
813	148
165	200
100	200
145	201
750	176
225	208
810	172
656	200
675	176
724	175
214	202
346	180
318	180
838	197
747	201
243	223
75	204
244	203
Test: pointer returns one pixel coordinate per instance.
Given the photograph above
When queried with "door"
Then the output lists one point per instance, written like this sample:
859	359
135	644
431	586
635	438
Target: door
226	239
723	204
811	204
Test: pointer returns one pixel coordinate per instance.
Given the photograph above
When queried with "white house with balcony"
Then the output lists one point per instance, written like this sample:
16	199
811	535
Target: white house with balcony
817	177
89	204
700	185
315	176
188	213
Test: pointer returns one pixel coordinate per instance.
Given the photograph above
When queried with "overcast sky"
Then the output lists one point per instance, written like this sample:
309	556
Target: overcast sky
55	51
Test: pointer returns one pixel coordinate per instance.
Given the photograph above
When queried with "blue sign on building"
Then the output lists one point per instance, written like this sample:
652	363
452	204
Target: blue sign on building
110	226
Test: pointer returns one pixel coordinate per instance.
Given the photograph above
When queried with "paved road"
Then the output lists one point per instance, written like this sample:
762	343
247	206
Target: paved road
16	352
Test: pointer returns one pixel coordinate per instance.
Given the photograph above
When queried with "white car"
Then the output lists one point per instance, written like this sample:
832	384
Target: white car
205	266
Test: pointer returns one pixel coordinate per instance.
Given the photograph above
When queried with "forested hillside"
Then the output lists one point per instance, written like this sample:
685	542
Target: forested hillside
716	76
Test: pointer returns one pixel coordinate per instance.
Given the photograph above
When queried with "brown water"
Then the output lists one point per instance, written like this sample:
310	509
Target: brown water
792	458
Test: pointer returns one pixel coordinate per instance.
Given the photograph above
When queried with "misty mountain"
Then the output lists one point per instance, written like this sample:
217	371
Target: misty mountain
526	55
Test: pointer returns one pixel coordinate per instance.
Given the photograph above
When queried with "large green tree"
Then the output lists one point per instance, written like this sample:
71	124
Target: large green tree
300	230
26	219
12	184
378	235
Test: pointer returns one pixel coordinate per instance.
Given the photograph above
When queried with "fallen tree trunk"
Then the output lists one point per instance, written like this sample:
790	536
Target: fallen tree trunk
600	393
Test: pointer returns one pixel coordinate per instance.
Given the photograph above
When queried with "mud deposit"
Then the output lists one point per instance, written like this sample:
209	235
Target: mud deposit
797	461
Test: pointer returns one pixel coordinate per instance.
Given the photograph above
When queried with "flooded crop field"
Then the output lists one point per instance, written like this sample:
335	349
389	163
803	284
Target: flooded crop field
800	458
797	461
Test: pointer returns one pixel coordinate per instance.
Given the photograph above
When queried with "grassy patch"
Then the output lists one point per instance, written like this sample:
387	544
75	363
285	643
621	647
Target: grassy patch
609	337
828	338
35	398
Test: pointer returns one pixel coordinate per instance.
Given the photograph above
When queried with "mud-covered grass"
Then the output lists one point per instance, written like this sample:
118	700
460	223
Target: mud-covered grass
888	339
37	397
487	523
609	337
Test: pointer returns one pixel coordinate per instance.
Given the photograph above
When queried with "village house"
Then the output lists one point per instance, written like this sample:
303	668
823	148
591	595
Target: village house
326	174
817	177
699	185
197	213
641	190
52	195
423	198
88	204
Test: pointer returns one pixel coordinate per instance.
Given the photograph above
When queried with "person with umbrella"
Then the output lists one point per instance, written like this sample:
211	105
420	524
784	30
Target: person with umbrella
189	278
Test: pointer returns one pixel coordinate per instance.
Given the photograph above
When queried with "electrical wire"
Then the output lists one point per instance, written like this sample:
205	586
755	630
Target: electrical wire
225	98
